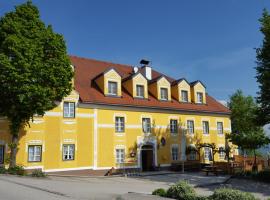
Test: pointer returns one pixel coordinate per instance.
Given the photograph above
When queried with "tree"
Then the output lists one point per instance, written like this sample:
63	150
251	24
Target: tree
263	71
35	71
245	133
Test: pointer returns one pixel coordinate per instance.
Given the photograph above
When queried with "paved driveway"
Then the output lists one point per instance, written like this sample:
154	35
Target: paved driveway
118	188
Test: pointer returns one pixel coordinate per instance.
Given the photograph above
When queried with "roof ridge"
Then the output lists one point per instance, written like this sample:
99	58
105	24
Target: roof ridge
107	62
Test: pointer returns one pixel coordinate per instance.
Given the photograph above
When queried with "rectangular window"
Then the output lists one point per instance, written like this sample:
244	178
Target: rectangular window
192	155
119	124
207	154
120	155
146	125
190	126
199	97
2	154
164	94
140	91
112	88
184	96
221	153
34	153
173	126
68	151
220	128
175	151
69	109
205	127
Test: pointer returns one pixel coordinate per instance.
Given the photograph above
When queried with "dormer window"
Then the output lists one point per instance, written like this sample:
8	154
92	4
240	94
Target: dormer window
164	94
112	88
184	96
140	91
199	97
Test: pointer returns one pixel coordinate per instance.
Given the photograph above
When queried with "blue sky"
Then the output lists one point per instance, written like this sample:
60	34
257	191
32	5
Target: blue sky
209	40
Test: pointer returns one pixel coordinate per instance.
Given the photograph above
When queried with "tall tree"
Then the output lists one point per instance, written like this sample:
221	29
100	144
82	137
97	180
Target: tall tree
263	71
245	133
35	70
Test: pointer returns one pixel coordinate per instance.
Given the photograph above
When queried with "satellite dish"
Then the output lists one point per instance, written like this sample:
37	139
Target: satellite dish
135	69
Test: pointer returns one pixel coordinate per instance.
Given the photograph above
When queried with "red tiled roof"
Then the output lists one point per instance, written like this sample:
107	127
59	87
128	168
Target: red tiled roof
87	69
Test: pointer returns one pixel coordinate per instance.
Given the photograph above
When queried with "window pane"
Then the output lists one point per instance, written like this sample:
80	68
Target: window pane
205	127
173	126
112	88
220	128
199	97
69	109
174	153
164	93
190	126
184	95
140	91
119	124
146	125
68	151
2	150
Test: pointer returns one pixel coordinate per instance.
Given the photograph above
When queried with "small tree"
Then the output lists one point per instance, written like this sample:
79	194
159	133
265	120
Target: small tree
263	71
35	70
245	133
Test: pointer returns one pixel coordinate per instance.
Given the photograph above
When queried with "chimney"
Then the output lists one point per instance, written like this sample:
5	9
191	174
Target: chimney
146	69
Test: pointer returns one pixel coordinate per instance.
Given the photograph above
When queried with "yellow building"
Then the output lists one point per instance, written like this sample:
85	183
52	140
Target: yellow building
121	116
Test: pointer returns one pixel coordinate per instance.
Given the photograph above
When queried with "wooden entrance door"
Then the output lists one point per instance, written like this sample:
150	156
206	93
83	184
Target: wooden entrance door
147	158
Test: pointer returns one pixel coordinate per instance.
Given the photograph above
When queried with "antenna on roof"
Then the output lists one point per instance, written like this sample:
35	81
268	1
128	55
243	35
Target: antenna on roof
144	62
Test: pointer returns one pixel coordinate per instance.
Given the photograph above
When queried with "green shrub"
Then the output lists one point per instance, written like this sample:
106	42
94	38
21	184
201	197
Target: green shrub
231	194
3	170
201	198
38	173
181	191
17	170
160	192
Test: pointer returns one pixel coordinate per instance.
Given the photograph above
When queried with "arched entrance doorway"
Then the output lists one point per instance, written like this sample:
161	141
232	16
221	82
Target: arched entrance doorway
147	156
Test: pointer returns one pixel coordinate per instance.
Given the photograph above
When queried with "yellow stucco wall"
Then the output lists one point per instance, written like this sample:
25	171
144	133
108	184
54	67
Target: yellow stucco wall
92	131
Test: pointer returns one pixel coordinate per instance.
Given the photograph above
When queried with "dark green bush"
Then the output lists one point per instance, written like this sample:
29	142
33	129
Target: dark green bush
38	173
263	176
160	192
17	170
3	170
181	191
231	194
201	198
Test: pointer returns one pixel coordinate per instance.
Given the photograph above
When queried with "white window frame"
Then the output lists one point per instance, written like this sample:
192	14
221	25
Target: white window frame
206	129
192	155
68	152
175	152
146	125
220	128
173	126
69	109
164	96
206	155
2	154
36	151
119	155
200	97
119	124
140	91
221	153
190	129
112	90
182	96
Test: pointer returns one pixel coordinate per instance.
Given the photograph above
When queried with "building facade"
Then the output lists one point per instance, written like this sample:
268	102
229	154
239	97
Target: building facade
121	116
